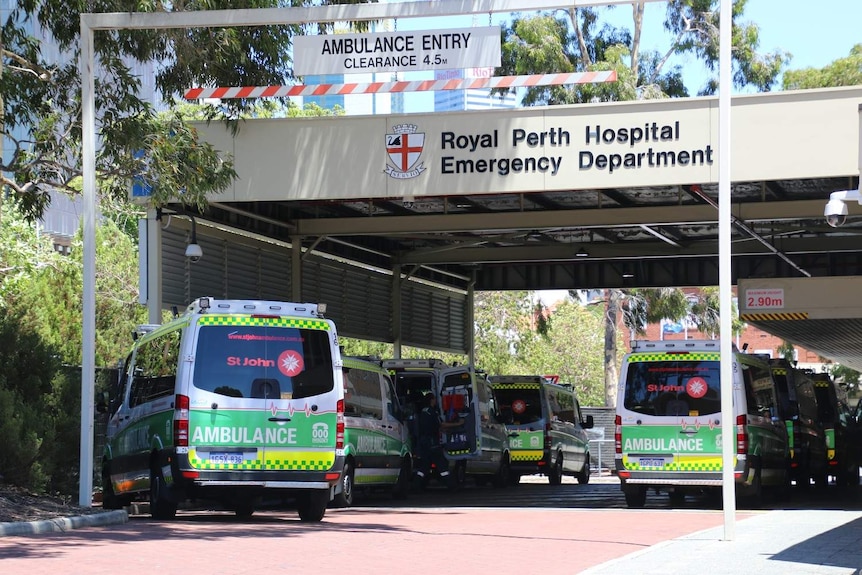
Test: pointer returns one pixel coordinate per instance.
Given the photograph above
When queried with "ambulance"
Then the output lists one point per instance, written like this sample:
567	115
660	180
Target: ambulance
547	431
668	434
237	401
377	448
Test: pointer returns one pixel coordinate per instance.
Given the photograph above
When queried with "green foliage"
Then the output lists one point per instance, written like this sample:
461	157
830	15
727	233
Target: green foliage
41	97
847	377
706	314
27	369
642	307
842	72
786	350
577	40
572	349
53	298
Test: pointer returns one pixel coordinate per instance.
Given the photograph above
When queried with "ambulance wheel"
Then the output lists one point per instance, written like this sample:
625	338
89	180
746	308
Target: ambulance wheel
311	505
584	475
402	484
243	508
555	474
161	507
635	496
109	499
345	498
457	476
753	496
501	478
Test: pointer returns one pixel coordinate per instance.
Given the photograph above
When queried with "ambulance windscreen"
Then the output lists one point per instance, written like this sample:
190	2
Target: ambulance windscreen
673	388
263	362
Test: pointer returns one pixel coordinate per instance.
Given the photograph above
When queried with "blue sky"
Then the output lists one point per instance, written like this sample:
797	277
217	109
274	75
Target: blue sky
815	33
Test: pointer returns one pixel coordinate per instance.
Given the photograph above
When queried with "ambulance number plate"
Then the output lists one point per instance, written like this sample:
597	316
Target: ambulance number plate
226	458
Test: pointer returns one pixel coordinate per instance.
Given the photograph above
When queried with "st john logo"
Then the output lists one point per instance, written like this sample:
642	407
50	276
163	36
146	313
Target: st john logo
404	147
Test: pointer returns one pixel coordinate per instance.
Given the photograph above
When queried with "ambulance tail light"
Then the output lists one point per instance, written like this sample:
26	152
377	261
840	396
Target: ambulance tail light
741	435
547	435
339	425
181	421
618	435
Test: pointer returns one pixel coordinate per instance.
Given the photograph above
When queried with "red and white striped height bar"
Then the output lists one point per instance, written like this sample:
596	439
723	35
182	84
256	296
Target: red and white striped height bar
414	86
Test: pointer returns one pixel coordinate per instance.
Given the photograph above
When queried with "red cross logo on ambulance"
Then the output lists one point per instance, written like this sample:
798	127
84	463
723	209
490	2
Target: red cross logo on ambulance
290	363
404	146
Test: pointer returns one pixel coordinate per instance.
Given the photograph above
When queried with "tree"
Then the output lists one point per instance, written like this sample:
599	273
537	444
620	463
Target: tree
842	72
42	109
572	40
571	349
45	288
503	321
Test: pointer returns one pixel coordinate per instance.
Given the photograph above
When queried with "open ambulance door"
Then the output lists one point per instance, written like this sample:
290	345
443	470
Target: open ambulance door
459	402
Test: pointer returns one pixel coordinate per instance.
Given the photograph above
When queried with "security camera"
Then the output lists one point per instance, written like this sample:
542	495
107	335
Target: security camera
835	212
194	253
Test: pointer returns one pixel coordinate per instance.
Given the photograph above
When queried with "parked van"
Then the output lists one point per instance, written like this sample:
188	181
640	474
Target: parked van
479	447
234	401
842	435
377	450
547	433
797	405
668	422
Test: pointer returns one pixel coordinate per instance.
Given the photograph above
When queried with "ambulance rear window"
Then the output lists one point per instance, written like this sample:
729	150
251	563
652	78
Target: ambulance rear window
263	362
519	405
673	388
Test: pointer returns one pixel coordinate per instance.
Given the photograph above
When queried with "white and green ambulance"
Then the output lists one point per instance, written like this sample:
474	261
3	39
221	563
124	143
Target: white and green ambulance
235	401
668	433
547	432
377	450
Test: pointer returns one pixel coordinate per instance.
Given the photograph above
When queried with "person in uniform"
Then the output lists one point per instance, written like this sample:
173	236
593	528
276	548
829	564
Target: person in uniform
429	449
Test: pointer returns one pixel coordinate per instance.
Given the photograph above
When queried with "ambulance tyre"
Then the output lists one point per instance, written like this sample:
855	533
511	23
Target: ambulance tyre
555	474
501	478
311	505
821	479
161	507
583	476
109	499
457	476
402	484
243	508
753	496
345	498
635	496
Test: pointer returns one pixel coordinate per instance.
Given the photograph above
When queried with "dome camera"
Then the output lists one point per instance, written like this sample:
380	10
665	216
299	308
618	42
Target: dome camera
835	212
194	252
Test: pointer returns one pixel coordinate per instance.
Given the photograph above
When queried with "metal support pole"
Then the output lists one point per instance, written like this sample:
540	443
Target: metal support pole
88	345
728	422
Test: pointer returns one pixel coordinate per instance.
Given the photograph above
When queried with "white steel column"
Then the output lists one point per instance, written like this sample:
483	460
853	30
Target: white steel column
88	300
728	422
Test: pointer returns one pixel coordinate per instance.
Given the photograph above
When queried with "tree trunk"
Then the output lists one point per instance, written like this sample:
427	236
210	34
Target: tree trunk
611	375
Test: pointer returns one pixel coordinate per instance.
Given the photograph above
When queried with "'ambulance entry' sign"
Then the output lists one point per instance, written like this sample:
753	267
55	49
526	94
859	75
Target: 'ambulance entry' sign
397	51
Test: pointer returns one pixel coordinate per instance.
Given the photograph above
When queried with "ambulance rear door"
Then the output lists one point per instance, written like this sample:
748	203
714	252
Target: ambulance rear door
458	401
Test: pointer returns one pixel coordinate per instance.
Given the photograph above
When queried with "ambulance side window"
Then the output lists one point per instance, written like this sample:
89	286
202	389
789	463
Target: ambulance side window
155	368
367	398
759	390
